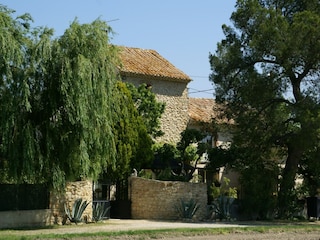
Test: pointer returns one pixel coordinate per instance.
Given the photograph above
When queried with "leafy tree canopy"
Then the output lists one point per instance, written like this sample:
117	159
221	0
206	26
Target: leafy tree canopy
149	109
179	162
132	141
266	71
55	120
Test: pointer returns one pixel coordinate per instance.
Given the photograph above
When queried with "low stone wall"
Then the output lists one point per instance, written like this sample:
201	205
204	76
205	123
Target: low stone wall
56	213
25	218
152	199
73	191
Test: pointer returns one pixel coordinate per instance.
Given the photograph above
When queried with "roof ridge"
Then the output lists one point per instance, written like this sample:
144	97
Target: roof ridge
148	62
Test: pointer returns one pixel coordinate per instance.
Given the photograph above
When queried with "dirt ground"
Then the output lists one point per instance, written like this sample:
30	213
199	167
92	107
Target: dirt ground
113	225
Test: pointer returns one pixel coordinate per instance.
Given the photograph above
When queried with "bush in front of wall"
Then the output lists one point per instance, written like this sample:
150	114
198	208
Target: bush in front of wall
223	197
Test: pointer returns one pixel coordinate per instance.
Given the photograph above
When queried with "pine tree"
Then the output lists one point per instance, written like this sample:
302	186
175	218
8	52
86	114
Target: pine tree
266	71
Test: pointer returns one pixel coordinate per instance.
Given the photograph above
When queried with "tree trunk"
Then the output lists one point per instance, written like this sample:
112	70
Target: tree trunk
286	193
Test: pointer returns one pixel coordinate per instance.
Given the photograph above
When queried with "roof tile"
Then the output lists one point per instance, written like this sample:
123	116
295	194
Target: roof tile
205	109
145	62
201	109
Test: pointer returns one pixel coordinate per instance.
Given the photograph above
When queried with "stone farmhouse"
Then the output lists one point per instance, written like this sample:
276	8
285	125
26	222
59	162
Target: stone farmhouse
141	66
170	86
145	66
201	112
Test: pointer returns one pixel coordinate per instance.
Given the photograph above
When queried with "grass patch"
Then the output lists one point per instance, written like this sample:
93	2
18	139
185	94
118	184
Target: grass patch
158	233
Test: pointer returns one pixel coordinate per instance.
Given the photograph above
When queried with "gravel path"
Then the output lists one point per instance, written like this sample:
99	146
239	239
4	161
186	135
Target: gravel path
127	225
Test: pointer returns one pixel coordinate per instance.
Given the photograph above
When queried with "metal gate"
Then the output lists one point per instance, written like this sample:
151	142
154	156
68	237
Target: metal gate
121	206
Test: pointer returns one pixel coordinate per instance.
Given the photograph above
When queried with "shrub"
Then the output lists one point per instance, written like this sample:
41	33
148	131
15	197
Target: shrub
259	191
223	198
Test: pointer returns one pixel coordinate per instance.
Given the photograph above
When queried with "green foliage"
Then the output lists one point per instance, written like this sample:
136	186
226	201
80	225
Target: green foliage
310	170
266	73
79	96
221	207
166	150
133	144
19	139
169	166
148	107
259	183
55	97
190	153
221	157
179	162
165	153
136	115
168	174
78	207
190	146
224	189
147	174
223	197
188	137
186	209
99	211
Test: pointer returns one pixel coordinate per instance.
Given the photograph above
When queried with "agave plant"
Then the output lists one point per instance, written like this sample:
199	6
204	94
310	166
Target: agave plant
78	208
187	209
99	211
221	207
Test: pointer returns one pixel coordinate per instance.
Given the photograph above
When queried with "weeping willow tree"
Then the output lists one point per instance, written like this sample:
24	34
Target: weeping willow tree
20	137
55	119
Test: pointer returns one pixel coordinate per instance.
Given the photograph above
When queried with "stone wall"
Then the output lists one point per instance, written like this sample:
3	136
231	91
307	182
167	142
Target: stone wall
73	191
175	96
153	199
25	218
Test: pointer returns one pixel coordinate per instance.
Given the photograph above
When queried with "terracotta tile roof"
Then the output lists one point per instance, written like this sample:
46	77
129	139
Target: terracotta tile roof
201	109
204	109
149	63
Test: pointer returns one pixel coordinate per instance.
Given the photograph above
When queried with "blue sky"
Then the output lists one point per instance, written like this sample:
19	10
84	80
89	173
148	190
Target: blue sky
182	31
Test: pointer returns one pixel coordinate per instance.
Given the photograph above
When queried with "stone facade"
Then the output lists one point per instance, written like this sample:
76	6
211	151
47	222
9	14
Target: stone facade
152	199
73	191
175	95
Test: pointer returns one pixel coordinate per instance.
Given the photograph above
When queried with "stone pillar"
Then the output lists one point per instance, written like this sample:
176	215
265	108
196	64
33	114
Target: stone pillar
73	191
